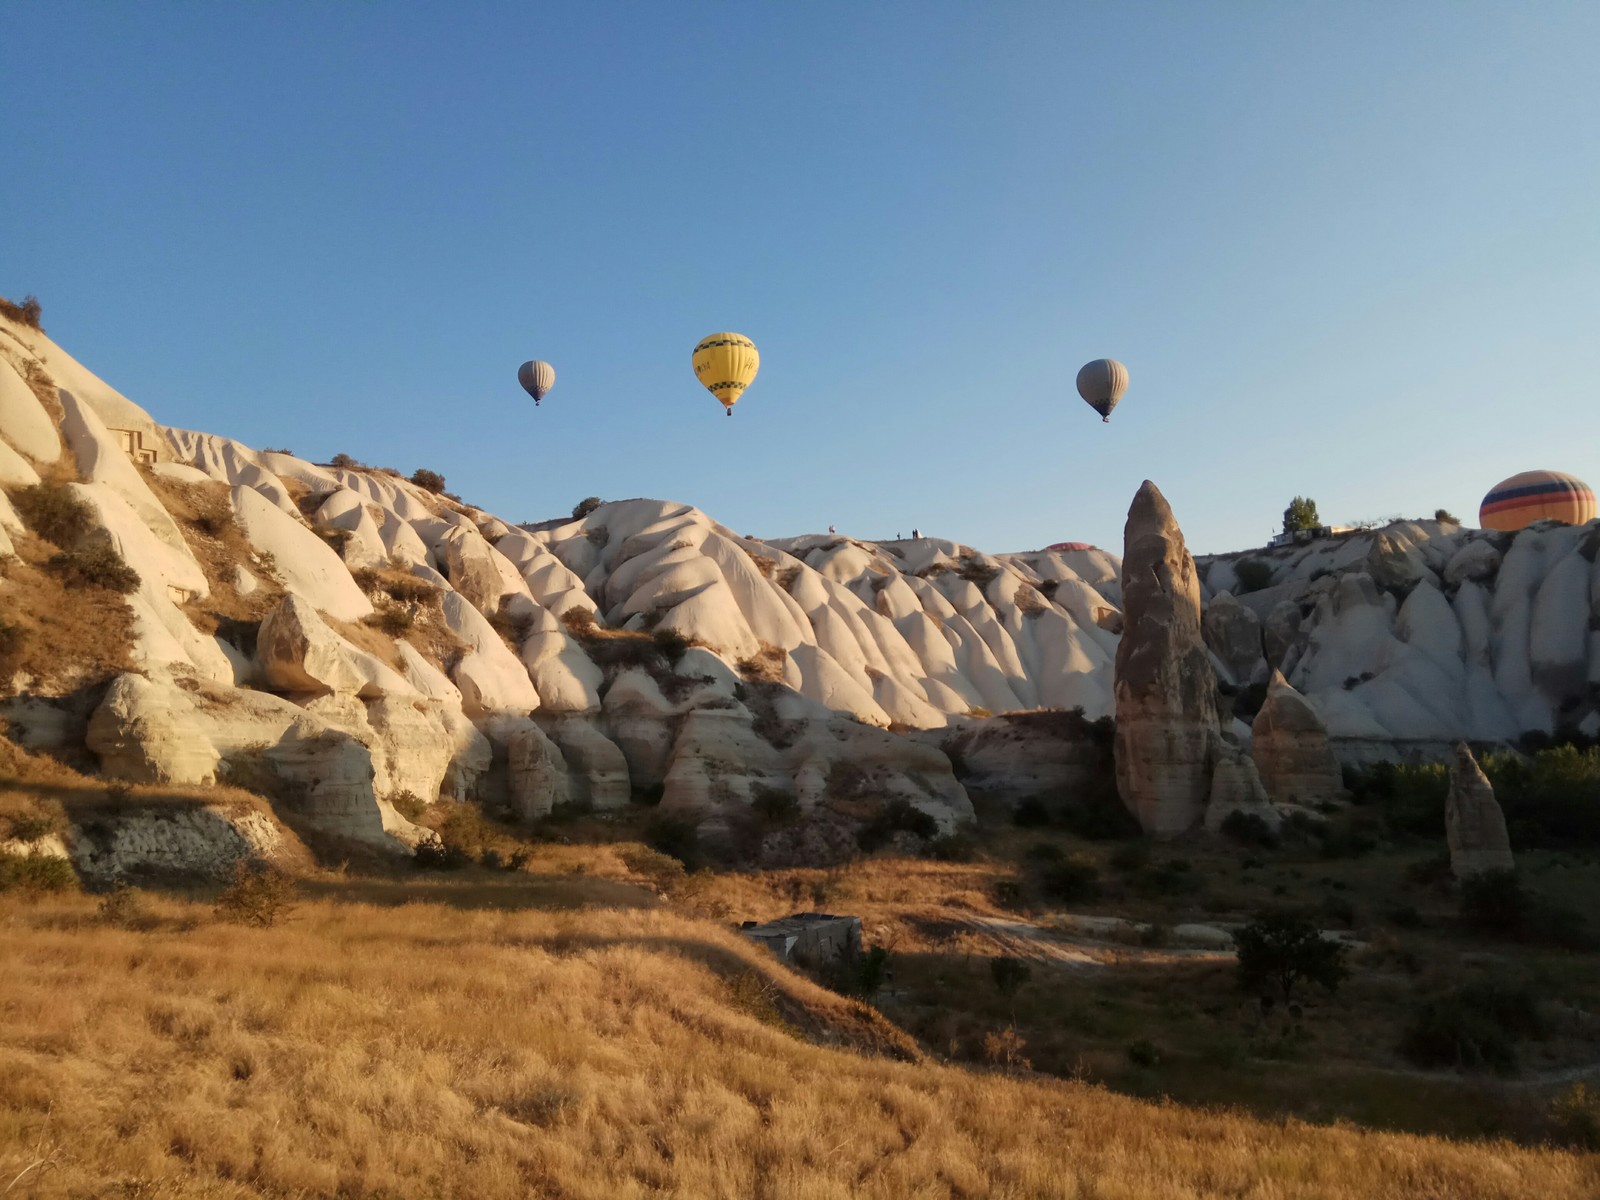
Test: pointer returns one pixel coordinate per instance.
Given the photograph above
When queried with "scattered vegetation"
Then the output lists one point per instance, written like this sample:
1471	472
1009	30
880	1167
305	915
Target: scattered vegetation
27	313
1473	1027
585	506
766	665
345	463
428	481
1445	517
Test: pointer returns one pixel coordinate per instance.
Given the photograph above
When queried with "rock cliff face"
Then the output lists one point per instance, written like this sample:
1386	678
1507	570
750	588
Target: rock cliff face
1474	824
1165	686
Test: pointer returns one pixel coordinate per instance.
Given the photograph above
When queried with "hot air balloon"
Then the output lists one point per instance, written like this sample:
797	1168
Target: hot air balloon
1062	547
537	378
726	363
1102	383
1537	496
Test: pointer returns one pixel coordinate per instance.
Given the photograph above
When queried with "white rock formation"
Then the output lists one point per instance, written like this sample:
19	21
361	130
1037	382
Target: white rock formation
305	563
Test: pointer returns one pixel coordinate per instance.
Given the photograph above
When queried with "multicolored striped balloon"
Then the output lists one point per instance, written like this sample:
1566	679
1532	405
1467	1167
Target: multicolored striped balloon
1537	496
1064	546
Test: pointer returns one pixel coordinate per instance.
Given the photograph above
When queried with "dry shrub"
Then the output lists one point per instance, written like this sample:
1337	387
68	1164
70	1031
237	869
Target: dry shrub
766	665
390	619
260	895
66	637
27	313
95	565
36	873
54	512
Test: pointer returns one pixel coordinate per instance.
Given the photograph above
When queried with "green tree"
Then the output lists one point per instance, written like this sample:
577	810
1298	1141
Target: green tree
1301	514
585	506
1281	948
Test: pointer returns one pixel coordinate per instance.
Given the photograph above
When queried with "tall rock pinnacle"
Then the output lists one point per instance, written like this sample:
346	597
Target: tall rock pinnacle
1165	686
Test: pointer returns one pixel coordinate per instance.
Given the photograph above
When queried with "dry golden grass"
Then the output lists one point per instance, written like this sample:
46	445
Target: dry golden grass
421	1050
204	511
70	636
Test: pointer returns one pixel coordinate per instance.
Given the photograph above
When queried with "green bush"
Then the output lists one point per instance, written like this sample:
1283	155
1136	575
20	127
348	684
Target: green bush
1474	1027
1410	797
674	837
869	973
1097	814
36	873
433	855
1280	948
428	481
585	506
1071	881
897	816
1551	800
1175	877
260	895
1009	975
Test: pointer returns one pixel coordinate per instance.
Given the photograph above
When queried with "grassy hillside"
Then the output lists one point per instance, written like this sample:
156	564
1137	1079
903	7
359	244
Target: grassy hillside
438	1047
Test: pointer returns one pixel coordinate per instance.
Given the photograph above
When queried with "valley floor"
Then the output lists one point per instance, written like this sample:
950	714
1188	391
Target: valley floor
568	1037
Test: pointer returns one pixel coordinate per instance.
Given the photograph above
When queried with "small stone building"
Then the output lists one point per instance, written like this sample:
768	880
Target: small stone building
808	939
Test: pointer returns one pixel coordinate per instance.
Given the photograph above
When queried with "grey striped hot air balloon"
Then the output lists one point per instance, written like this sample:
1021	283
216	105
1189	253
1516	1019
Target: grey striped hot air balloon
1101	383
537	378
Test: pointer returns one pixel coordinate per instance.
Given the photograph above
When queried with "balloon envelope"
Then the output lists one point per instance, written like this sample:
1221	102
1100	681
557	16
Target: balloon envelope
1537	496
1064	546
1101	383
726	363
537	378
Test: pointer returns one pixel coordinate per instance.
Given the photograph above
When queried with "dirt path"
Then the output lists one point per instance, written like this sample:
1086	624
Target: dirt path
1024	940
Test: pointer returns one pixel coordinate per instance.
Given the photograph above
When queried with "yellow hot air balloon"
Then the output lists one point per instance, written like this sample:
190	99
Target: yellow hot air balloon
726	363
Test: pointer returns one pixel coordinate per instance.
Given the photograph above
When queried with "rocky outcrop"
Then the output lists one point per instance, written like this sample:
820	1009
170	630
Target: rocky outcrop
1237	788
305	563
1233	634
301	655
1291	750
1165	686
171	839
1474	825
145	732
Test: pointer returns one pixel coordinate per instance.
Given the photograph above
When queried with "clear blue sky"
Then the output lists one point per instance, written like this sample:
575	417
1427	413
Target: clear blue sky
1349	249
